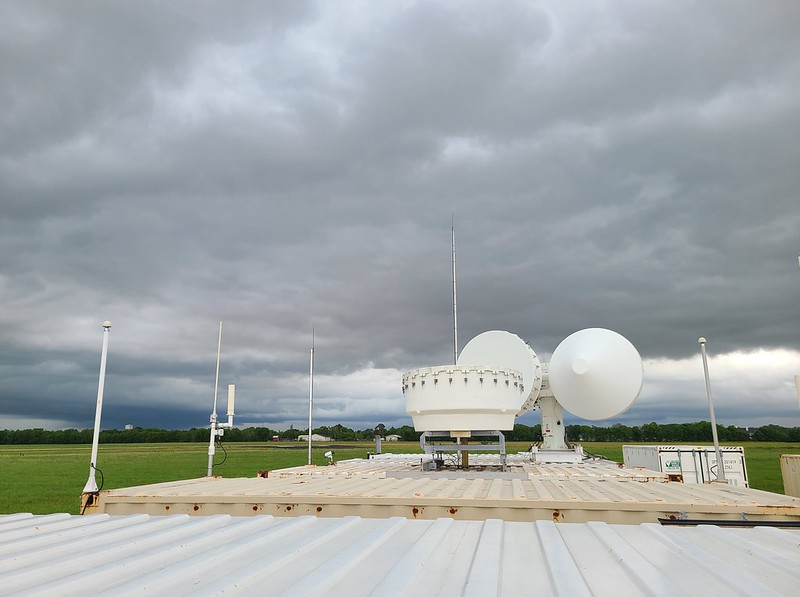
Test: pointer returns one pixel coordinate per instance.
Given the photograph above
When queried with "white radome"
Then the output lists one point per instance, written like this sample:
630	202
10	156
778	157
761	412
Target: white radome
505	350
596	374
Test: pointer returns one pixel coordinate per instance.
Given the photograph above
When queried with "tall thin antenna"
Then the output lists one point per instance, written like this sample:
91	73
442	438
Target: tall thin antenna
720	465
91	483
310	393
455	310
213	418
216	377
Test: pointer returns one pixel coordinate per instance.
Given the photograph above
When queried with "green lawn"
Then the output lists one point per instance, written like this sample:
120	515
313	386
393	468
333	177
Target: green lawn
43	479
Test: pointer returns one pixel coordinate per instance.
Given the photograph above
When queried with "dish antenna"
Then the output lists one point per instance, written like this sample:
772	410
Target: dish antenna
594	373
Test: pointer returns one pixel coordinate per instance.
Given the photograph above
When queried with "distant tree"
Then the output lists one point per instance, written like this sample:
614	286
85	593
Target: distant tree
348	435
341	433
733	434
290	434
520	433
324	430
771	433
699	432
650	432
408	434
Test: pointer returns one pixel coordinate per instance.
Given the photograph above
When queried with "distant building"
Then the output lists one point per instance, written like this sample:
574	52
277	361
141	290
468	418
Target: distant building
128	427
392	438
314	438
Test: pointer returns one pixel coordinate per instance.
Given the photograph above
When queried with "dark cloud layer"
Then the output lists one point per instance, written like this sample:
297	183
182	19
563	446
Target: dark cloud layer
283	166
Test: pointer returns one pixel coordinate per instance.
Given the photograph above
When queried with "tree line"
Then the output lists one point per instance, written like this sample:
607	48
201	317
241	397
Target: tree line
649	432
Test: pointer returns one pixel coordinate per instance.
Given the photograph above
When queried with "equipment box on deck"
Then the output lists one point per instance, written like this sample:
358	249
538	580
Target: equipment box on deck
693	464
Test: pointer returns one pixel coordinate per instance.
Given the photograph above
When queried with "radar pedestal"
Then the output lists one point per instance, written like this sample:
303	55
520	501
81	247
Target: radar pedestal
553	434
554	446
439	443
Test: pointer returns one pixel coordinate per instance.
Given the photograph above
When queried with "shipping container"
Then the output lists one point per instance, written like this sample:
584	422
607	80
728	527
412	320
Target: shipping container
790	470
690	464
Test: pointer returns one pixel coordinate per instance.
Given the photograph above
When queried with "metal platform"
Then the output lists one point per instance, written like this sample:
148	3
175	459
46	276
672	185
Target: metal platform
375	489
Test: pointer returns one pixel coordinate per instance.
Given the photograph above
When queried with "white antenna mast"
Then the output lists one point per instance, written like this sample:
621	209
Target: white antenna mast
217	429
720	465
310	393
91	483
455	311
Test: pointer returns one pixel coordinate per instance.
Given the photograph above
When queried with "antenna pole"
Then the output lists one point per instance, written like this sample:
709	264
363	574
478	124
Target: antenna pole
91	483
455	311
310	393
797	377
720	464
216	376
213	418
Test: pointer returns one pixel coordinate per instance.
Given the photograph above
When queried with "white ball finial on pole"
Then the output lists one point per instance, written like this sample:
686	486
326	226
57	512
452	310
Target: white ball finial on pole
91	484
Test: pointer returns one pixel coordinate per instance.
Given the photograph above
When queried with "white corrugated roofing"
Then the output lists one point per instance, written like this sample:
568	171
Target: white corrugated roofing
265	555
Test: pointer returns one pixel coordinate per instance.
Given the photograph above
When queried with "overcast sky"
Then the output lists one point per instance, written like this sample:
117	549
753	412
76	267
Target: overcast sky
283	166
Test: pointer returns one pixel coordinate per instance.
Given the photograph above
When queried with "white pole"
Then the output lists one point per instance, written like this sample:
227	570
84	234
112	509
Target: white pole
310	394
797	387
91	483
720	463
216	377
455	311
213	418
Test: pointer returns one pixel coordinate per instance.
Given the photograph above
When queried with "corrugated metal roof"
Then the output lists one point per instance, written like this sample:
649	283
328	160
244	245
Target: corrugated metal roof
565	500
265	555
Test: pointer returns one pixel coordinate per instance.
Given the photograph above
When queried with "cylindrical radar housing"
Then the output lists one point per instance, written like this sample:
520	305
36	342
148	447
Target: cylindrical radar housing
596	374
463	398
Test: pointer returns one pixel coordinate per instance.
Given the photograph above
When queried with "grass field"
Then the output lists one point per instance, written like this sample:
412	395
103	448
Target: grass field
43	479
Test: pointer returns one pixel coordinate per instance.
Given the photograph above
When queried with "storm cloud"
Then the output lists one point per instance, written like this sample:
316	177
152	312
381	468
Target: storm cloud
289	166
